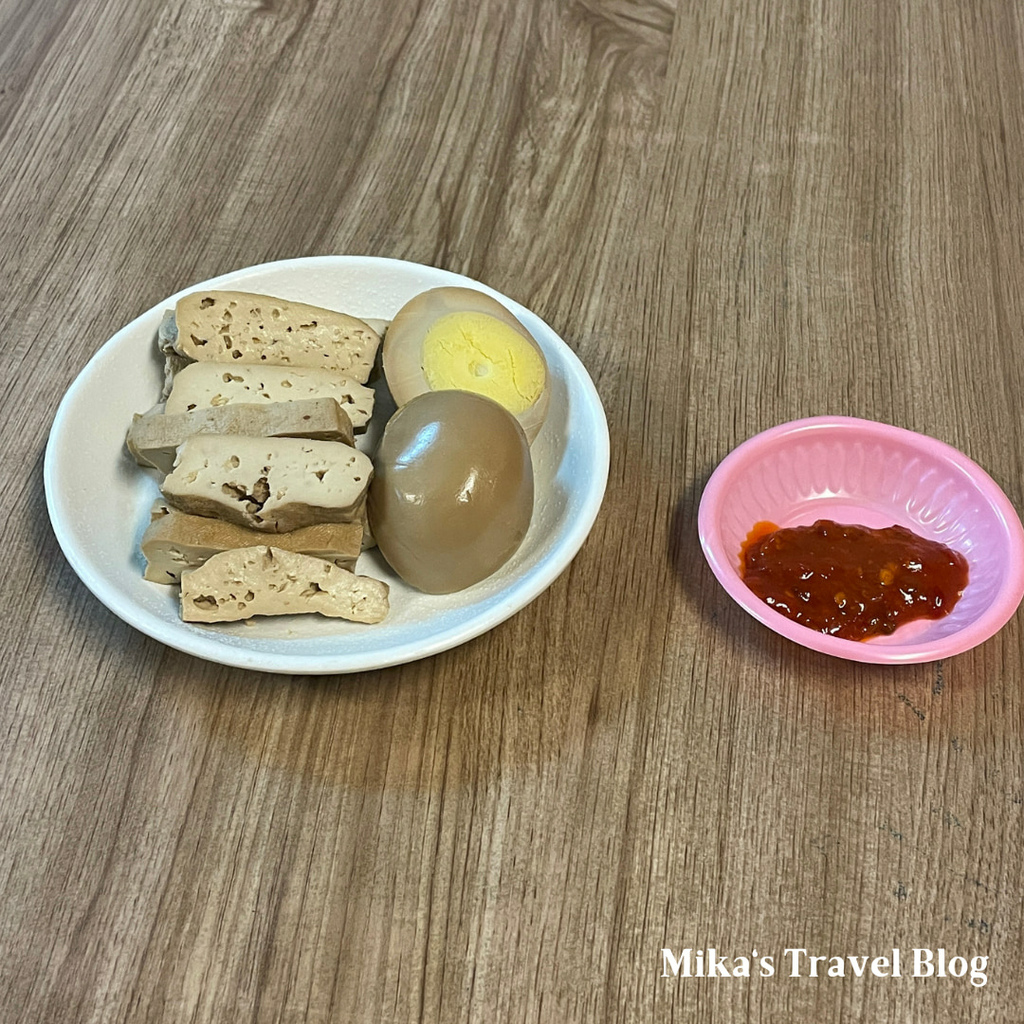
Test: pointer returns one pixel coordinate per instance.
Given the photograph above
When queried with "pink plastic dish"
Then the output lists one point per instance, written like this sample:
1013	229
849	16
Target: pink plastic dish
875	475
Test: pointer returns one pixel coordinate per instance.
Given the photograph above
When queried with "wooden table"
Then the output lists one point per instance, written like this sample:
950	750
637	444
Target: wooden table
737	213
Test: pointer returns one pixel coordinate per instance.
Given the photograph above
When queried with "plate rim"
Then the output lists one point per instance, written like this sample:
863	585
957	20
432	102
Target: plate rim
212	649
999	612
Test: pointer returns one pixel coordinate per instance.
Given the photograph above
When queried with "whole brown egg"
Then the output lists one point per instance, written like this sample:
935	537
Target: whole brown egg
452	493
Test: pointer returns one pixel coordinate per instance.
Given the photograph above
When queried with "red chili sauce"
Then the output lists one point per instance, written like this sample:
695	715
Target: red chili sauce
851	581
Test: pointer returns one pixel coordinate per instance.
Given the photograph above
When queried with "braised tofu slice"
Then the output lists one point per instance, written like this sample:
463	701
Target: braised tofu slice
154	437
243	327
269	484
175	542
210	385
265	580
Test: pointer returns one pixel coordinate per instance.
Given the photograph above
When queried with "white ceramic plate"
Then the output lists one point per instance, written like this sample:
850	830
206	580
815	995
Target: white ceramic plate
99	499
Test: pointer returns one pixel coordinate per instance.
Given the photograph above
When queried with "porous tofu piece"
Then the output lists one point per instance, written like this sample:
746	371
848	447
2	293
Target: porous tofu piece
154	437
266	580
269	484
210	385
243	327
175	542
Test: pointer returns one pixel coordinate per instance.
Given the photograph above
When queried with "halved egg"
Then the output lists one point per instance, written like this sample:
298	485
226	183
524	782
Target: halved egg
461	339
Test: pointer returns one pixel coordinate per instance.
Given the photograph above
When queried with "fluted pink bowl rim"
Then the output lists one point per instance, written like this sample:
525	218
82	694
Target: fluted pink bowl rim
735	472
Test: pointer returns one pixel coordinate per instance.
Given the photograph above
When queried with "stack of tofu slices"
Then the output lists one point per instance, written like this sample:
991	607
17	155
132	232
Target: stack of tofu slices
264	494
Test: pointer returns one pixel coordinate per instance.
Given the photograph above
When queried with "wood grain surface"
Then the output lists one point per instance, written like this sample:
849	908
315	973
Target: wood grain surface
737	213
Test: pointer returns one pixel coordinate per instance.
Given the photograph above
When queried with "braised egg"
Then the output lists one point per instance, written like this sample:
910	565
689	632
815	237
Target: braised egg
459	338
452	492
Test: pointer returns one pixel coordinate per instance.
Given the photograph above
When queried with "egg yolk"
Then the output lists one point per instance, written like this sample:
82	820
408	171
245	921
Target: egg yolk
477	352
